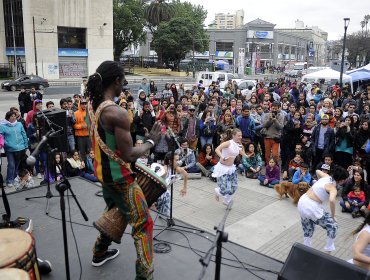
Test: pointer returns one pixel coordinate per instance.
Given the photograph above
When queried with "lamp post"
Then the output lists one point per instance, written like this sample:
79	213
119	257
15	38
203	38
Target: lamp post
346	23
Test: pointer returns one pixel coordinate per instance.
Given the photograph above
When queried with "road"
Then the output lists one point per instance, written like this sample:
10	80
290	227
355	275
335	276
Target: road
9	98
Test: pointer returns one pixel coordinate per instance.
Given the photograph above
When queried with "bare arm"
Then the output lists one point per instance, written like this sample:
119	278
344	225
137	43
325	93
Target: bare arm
332	195
221	147
184	174
359	246
116	120
321	174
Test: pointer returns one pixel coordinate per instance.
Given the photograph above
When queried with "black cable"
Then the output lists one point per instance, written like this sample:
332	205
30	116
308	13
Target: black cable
73	233
203	252
195	251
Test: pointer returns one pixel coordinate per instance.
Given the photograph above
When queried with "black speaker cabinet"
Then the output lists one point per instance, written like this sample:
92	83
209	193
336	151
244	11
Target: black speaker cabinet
55	119
305	263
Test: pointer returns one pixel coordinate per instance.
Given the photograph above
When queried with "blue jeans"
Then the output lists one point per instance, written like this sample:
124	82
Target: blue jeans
13	164
271	184
71	142
41	157
205	140
193	169
90	177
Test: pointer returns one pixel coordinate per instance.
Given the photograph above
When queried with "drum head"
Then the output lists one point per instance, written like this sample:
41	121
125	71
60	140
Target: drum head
13	274
14	243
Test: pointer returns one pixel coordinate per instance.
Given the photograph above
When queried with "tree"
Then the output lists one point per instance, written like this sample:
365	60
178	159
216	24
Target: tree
175	38
158	11
128	25
358	48
366	19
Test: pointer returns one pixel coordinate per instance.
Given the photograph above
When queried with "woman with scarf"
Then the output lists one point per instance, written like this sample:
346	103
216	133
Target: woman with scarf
76	167
15	145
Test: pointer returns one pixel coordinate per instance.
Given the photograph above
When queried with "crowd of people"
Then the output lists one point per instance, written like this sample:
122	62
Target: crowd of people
279	130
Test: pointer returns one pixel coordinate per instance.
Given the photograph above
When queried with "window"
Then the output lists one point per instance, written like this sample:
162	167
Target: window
71	37
224	46
221	77
16	6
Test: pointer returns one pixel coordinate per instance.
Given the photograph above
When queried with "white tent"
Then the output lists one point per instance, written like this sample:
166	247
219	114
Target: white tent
366	67
329	76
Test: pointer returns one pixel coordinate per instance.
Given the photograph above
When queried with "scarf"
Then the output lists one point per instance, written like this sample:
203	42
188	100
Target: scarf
8	123
73	163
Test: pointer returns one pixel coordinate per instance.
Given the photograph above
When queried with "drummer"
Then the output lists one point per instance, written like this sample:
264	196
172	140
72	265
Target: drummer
112	143
164	201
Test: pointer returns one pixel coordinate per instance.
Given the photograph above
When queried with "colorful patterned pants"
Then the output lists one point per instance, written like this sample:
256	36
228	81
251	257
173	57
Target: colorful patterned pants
130	200
326	222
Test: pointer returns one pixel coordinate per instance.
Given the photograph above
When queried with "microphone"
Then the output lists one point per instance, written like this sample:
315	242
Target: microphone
31	159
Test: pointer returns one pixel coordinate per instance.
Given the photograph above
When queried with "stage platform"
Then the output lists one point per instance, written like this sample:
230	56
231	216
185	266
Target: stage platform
182	262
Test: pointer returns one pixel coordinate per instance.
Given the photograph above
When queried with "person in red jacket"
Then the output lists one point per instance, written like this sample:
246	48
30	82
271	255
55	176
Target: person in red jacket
37	107
356	199
207	159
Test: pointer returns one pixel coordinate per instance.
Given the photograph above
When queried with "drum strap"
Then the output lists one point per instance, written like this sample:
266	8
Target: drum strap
94	131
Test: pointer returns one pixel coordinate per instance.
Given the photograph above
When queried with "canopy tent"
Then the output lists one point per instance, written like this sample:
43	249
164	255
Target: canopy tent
328	76
360	75
366	68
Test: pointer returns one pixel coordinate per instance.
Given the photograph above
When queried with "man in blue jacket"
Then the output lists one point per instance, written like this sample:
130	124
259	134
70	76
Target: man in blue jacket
322	140
247	125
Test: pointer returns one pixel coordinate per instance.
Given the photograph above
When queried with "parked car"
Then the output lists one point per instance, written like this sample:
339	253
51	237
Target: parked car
244	84
26	81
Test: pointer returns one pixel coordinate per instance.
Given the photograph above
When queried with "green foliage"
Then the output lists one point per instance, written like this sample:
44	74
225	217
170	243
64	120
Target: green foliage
175	38
128	25
158	11
185	9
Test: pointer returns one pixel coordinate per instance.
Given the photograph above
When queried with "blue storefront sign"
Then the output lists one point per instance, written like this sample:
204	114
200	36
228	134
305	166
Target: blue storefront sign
261	34
73	52
18	51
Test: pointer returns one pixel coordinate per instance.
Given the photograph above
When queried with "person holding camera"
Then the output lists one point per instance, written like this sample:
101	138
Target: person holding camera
273	126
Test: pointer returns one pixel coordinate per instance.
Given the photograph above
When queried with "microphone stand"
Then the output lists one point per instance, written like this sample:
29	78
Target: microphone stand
221	236
48	194
61	187
170	220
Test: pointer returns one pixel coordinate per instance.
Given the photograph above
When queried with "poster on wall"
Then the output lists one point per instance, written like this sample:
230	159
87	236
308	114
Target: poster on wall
52	69
72	69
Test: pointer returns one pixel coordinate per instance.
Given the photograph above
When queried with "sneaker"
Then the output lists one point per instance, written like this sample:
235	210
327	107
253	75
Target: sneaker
43	182
44	266
10	185
110	254
39	176
25	224
354	214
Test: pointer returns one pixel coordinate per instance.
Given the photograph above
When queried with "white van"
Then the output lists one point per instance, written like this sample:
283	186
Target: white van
208	77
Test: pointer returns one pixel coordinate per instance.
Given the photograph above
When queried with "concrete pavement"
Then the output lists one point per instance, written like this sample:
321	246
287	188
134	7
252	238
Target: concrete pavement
258	220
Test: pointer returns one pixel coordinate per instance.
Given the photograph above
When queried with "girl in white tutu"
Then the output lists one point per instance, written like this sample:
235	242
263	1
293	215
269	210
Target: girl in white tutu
225	169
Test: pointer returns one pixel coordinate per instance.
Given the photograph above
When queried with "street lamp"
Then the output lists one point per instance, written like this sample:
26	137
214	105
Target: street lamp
346	23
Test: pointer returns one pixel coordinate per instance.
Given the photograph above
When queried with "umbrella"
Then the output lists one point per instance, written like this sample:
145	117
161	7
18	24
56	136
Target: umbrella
360	75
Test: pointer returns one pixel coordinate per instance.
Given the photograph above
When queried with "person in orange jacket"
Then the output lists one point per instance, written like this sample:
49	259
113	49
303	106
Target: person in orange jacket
81	130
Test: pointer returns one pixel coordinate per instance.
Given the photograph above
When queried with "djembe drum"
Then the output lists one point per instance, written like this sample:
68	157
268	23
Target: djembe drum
17	250
113	223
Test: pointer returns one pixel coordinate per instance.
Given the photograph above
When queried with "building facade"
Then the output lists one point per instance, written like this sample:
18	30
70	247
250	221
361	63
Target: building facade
258	44
56	38
229	21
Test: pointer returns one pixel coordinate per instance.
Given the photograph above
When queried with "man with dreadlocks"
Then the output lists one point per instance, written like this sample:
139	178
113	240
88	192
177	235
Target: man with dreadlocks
112	144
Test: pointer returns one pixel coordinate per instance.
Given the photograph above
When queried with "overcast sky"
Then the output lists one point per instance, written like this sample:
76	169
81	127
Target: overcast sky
326	14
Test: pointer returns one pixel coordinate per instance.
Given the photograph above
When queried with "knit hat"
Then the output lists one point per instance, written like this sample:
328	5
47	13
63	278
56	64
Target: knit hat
325	167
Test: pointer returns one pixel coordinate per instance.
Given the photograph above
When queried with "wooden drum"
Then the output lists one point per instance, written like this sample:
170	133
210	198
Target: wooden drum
17	250
112	223
13	274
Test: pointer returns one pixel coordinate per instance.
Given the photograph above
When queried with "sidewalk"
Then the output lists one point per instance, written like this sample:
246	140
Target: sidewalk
258	220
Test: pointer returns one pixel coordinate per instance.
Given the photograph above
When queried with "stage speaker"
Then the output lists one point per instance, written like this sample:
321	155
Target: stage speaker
55	119
306	263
